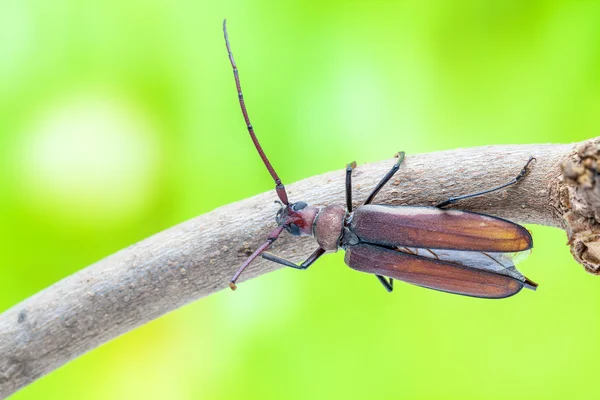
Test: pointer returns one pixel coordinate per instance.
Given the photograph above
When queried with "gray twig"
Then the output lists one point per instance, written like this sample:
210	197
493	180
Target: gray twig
197	257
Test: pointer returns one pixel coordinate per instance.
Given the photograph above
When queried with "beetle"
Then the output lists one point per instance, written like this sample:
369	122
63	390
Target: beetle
453	251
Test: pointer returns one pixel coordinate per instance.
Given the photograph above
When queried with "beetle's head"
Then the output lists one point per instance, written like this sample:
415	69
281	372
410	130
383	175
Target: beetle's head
297	218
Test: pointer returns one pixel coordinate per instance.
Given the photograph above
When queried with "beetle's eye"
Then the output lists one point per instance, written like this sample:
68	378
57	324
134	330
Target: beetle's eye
298	206
294	230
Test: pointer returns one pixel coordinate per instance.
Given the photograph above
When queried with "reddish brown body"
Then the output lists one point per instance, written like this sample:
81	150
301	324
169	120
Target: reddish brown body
448	250
378	239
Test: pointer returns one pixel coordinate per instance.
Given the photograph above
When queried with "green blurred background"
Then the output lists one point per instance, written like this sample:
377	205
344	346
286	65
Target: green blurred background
121	119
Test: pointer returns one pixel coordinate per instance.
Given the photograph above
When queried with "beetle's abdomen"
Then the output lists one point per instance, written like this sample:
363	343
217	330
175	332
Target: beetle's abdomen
328	227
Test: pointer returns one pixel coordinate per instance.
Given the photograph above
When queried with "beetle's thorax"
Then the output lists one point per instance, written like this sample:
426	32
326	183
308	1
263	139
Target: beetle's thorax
325	224
328	227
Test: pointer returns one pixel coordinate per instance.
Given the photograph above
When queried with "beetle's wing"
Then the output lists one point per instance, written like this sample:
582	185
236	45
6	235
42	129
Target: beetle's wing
431	273
500	263
433	228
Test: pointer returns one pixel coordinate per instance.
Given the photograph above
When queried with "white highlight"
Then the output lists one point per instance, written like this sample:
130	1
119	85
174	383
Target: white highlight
92	155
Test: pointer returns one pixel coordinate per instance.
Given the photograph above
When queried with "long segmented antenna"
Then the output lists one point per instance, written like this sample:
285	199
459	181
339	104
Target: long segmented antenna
272	237
279	188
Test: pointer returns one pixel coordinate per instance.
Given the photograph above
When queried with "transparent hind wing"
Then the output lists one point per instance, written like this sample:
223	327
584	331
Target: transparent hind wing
500	263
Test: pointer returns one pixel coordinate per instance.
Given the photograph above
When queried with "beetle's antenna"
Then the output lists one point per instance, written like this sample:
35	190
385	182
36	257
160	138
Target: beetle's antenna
279	188
272	237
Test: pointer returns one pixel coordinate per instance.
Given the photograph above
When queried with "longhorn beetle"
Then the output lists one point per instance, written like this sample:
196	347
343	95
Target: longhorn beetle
452	251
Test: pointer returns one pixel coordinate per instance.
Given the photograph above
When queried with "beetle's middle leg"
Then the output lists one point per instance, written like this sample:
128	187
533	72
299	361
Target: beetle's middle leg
307	263
388	285
516	179
349	169
386	178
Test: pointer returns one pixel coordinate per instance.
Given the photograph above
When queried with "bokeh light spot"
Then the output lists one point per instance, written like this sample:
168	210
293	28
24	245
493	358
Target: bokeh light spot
91	156
16	36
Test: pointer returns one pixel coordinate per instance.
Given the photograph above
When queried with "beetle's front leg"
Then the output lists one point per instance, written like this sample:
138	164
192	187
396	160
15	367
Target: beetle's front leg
307	263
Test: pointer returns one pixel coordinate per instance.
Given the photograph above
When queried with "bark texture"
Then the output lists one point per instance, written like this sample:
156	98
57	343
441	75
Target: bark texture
197	258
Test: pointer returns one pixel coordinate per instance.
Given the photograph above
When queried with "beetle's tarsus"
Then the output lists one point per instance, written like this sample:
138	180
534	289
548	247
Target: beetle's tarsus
526	168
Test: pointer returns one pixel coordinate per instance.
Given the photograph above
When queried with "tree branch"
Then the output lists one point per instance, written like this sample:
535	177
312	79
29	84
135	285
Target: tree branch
197	257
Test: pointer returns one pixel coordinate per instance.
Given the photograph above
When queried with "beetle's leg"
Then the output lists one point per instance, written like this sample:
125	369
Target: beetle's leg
388	285
386	178
349	169
516	179
311	259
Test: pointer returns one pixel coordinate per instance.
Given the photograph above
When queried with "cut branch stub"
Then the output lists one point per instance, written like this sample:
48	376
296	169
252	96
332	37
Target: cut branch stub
580	204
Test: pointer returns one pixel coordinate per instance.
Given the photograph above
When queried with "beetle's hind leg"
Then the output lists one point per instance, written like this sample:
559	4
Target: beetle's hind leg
386	178
516	179
388	285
